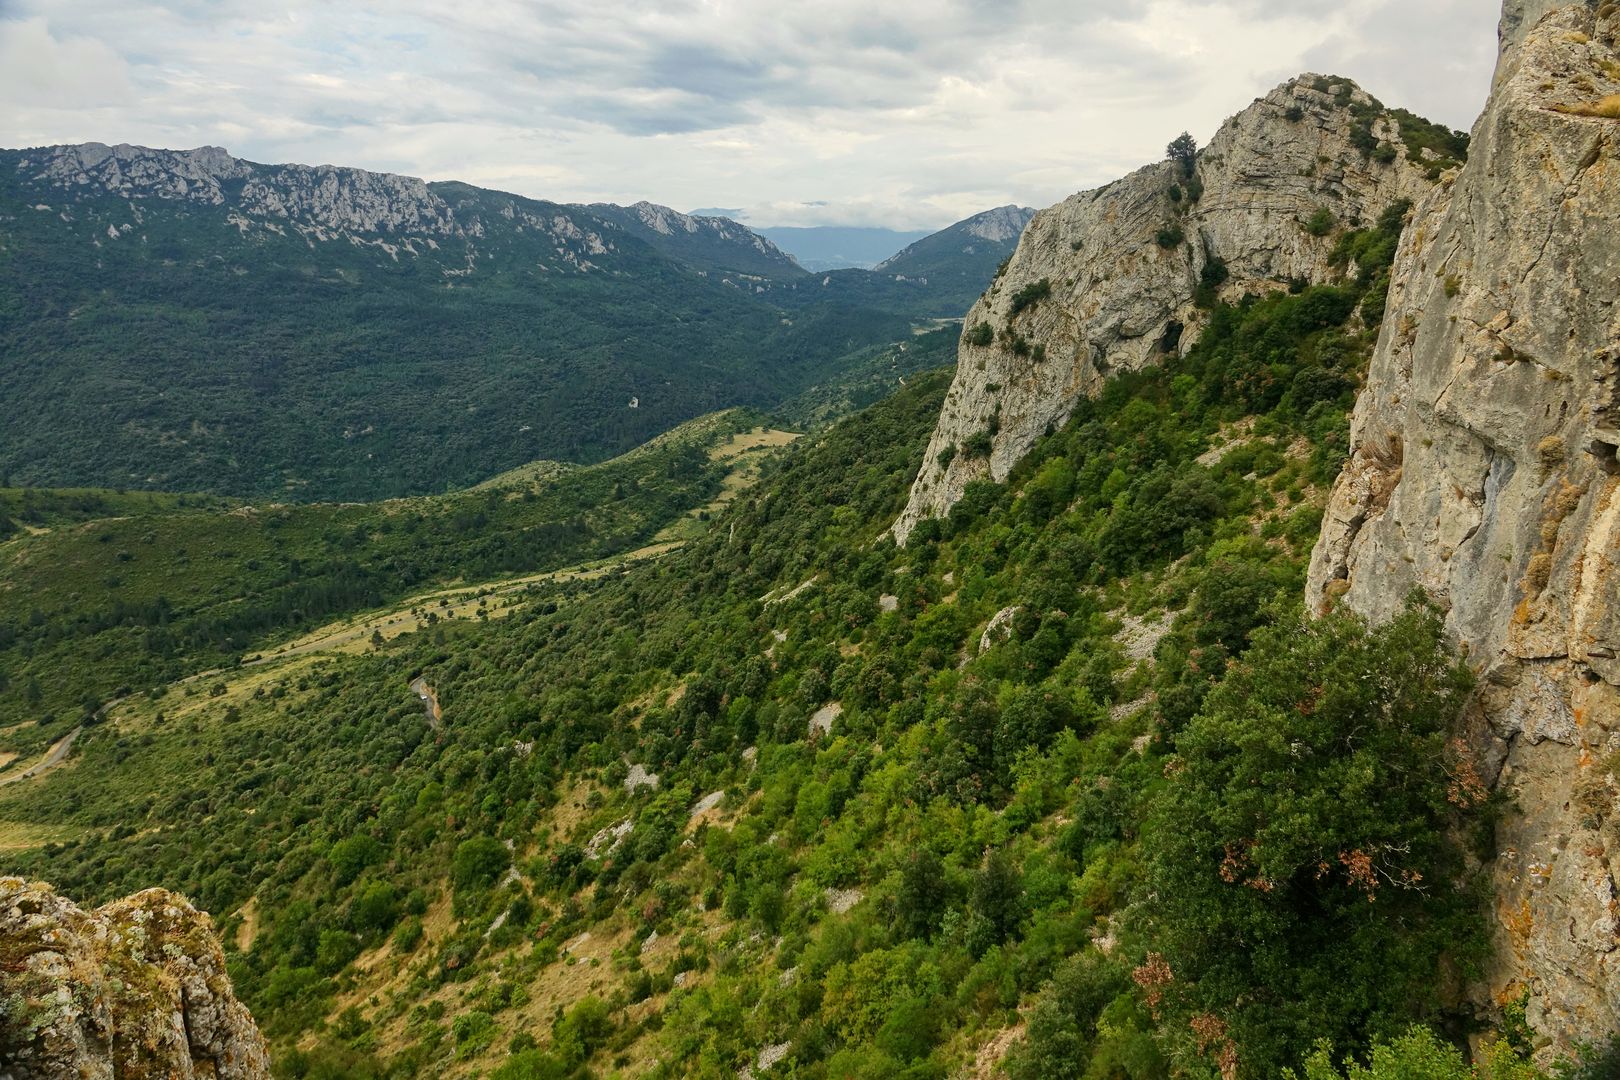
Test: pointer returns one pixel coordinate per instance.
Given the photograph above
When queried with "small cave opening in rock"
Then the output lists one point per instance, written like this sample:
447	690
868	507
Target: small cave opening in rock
1171	340
1606	449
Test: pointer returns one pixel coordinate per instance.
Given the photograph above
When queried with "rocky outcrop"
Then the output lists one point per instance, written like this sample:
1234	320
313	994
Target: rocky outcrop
1106	280
325	196
133	990
1484	473
999	225
326	202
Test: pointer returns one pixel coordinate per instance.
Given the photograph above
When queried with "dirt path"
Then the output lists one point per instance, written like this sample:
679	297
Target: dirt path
53	757
430	702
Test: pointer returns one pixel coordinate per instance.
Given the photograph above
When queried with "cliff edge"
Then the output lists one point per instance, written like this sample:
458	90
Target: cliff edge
1484	472
1111	280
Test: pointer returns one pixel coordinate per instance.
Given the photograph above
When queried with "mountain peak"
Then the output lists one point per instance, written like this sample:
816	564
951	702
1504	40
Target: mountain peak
998	225
1117	272
991	232
717	243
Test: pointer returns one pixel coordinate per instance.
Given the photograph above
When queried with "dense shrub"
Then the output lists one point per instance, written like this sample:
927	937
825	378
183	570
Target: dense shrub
1028	296
1302	863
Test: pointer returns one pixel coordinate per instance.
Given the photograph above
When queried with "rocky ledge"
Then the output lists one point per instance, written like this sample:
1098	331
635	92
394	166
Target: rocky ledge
133	990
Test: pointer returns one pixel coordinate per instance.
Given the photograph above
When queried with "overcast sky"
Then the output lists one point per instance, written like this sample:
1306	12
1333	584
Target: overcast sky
907	113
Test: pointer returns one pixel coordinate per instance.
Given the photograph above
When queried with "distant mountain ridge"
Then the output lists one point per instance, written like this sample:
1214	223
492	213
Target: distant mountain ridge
1002	225
320	201
963	258
701	239
190	320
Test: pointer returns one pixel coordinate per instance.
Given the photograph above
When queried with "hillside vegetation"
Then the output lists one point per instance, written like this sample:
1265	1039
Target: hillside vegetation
106	594
1063	783
269	346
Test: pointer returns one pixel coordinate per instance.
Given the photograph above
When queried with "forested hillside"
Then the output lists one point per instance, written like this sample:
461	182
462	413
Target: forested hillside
1064	783
187	321
109	594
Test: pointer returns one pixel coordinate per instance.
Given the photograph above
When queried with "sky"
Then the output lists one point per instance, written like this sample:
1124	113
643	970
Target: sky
901	113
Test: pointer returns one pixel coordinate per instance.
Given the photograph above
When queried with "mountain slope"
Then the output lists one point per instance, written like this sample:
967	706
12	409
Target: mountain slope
795	794
191	321
1121	277
964	256
183	588
716	243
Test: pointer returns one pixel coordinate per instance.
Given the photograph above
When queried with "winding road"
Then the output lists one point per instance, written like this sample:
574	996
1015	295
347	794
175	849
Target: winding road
53	757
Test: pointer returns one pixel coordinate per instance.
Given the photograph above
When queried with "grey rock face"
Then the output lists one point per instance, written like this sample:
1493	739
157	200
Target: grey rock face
136	988
400	215
1484	471
1519	17
661	219
1120	300
999	225
323	196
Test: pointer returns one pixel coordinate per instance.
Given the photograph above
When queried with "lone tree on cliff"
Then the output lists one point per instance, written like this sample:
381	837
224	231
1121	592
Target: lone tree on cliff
1183	150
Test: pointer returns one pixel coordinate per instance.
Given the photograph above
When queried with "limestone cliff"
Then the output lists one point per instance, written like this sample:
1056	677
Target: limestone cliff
1106	280
136	989
1484	472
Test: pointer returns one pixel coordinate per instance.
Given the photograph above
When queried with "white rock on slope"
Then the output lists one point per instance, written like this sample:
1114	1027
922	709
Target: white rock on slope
1119	301
1484	471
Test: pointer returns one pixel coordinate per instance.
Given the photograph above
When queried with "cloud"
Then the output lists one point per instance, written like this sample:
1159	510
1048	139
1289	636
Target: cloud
912	113
40	70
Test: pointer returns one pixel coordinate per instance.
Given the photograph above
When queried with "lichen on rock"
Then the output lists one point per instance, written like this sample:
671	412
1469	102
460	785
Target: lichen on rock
133	990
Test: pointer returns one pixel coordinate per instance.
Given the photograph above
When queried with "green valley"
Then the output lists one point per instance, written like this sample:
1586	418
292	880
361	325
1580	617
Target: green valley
446	634
793	793
184	585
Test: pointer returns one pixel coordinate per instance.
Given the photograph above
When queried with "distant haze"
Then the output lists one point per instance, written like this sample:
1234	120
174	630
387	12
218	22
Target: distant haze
833	247
907	115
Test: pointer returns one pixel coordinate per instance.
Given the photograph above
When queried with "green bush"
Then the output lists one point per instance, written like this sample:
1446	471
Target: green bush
981	335
473	1032
1302	857
1062	1031
1321	222
1170	236
407	935
1028	296
479	863
1211	277
1419	1055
